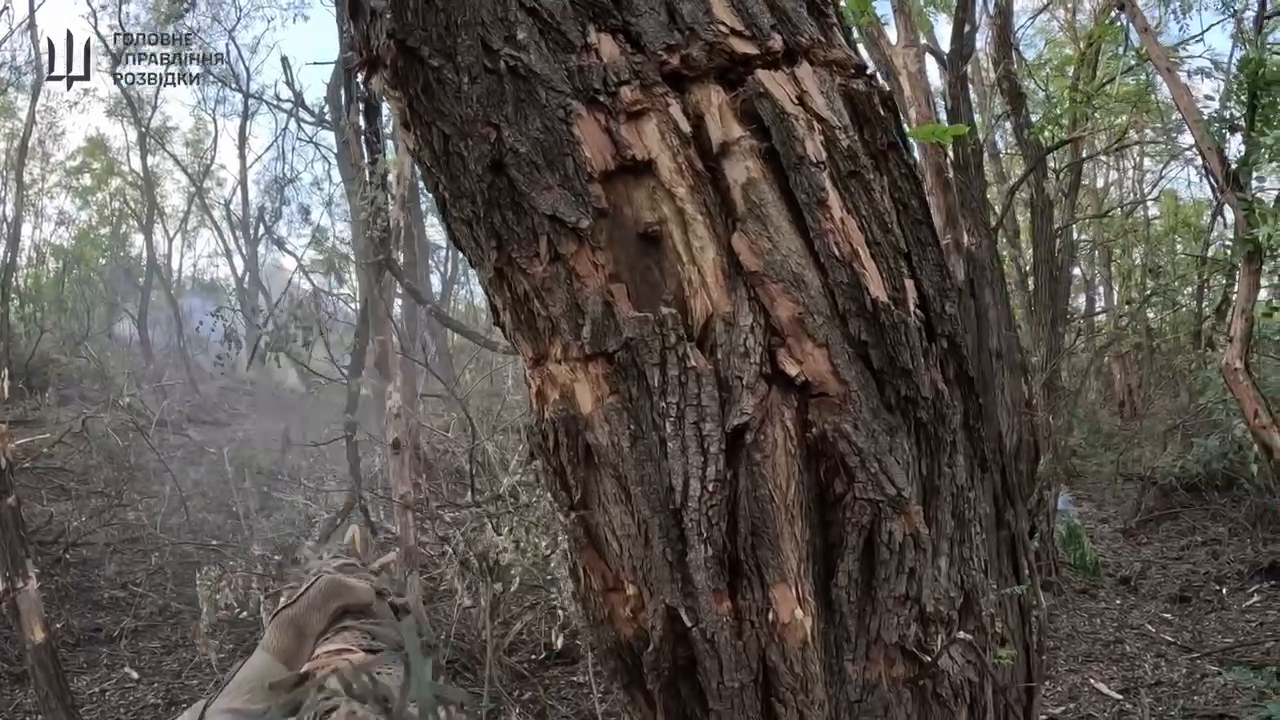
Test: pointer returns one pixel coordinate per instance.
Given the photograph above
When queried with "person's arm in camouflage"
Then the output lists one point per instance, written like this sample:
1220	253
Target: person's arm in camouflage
287	644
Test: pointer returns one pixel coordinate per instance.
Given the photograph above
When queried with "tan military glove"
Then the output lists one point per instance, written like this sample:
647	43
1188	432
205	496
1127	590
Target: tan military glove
287	644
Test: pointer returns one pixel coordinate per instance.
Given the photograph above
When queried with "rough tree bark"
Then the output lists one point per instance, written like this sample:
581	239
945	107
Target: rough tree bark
20	595
997	352
700	227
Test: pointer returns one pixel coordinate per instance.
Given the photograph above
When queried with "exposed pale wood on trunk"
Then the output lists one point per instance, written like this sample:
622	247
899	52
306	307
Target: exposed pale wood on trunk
402	405
20	596
753	397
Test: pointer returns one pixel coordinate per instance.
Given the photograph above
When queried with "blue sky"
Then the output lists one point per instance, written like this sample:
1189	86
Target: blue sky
312	44
311	47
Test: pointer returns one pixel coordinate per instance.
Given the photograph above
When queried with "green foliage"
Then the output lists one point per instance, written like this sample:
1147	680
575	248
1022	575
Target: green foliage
1262	682
858	12
1074	543
936	133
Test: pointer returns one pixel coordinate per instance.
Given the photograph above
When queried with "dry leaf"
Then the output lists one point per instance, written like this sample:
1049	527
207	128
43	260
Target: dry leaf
1100	687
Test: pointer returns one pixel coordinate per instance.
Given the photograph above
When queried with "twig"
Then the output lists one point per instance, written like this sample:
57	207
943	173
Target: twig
462	329
1252	642
235	496
595	690
182	496
1166	638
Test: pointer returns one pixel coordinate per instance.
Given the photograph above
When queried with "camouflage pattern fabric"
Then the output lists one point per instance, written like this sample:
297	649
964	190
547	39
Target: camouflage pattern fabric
371	665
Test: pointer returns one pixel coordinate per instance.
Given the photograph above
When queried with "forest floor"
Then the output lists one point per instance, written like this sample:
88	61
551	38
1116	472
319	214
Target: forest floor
127	495
1184	621
125	504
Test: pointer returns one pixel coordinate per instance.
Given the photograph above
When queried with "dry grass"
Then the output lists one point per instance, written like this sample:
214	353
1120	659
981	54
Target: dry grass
128	495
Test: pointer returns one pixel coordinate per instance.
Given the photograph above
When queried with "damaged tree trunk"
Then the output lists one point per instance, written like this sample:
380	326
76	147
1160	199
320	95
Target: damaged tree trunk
753	399
20	595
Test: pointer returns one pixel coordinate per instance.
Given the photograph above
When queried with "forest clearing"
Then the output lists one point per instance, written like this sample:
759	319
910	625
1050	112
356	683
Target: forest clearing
656	359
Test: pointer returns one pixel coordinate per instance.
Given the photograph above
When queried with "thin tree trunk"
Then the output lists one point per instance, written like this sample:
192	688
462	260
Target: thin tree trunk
13	239
20	595
402	405
401	437
1200	295
405	231
1048	314
1222	308
1000	179
915	99
1083	79
376	203
1237	374
363	174
433	332
351	428
144	308
752	392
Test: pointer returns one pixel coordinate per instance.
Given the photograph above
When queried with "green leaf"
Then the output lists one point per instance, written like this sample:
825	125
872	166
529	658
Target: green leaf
859	12
936	133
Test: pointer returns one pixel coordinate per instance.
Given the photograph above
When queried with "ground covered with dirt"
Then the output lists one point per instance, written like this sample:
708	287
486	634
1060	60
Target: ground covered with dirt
129	495
1183	620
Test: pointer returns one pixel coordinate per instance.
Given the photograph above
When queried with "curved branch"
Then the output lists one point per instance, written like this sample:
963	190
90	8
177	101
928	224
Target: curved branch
1030	169
393	266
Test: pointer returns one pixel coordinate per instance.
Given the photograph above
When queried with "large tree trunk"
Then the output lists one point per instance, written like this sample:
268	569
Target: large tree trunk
752	394
20	595
995	348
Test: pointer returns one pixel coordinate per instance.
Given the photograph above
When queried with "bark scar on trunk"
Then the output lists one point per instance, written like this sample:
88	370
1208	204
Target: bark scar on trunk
793	622
836	223
620	597
583	381
752	401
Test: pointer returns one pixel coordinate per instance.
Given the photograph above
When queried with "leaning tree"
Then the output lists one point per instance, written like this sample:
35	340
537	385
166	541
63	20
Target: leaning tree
700	225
